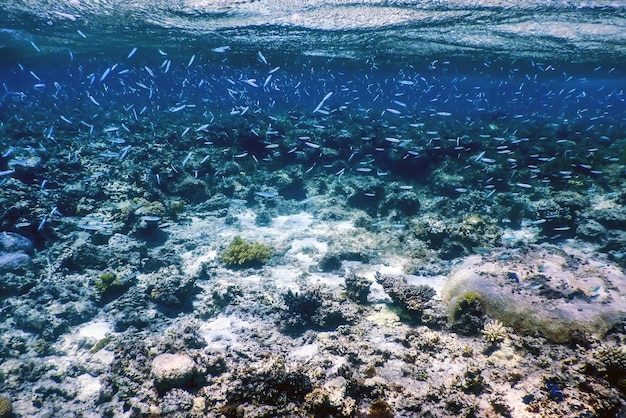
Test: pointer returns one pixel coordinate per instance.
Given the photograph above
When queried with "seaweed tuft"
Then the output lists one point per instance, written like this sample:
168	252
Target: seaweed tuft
242	253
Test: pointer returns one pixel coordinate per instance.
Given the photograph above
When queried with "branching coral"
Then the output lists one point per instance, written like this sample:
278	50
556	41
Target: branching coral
613	358
494	332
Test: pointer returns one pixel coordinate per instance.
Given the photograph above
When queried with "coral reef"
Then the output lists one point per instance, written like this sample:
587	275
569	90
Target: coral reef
614	360
415	250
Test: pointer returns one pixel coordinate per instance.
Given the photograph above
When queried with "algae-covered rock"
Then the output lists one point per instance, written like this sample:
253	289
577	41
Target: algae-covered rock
592	231
541	289
330	262
477	231
331	400
147	208
458	236
172	290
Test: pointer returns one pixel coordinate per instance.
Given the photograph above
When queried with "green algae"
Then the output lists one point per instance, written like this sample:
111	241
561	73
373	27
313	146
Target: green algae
106	281
242	253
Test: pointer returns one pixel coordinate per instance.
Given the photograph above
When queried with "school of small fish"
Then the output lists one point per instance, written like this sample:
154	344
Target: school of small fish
504	127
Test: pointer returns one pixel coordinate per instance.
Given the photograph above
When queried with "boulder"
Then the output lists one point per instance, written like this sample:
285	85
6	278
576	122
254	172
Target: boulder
11	242
16	273
558	293
172	370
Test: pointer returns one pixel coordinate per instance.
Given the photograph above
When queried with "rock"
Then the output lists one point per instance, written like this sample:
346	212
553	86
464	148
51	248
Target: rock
611	218
174	292
591	231
476	230
330	262
26	169
123	244
615	246
36	318
11	243
331	400
406	203
172	370
451	249
541	289
191	189
366	194
15	263
170	289
292	186
131	310
16	273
